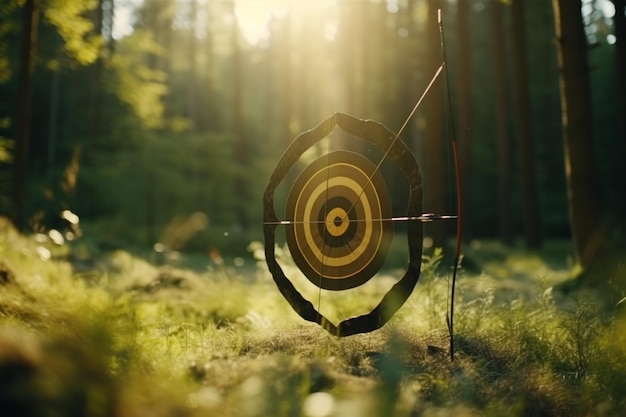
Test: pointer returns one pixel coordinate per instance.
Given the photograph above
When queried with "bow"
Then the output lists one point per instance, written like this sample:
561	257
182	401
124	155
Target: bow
338	221
459	193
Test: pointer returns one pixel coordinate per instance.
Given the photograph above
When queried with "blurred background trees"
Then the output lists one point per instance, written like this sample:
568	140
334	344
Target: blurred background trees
139	115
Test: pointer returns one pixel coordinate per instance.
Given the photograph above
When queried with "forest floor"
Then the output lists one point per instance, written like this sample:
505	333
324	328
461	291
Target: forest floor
93	333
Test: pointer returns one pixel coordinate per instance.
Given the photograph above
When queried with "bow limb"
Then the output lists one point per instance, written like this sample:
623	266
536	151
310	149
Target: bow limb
459	236
459	191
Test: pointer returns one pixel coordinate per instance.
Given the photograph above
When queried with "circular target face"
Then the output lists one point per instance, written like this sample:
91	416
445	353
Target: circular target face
339	229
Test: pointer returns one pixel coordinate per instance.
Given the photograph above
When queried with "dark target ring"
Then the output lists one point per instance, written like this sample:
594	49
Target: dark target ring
340	230
396	151
344	222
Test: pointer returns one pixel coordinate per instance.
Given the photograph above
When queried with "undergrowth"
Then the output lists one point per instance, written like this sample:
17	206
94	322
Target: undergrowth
129	338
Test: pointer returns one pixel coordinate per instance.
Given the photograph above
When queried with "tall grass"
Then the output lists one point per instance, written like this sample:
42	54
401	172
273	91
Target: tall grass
129	338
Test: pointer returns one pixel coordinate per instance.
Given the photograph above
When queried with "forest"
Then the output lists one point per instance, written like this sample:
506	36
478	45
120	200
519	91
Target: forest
138	139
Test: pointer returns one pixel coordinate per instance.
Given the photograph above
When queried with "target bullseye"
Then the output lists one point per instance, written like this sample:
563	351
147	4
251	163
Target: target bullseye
337	221
338	234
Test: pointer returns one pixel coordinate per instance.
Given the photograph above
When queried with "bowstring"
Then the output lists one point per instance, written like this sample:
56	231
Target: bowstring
448	119
450	132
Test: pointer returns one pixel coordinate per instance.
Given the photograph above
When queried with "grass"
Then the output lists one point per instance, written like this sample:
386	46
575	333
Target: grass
84	333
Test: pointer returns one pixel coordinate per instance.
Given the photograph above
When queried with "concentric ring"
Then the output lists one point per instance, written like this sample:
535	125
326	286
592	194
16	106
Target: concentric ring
339	229
380	137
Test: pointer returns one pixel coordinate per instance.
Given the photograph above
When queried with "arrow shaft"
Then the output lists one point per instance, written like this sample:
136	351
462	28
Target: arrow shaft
425	218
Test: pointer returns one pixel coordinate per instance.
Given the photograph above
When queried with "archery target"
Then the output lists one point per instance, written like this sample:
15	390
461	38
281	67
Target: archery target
339	229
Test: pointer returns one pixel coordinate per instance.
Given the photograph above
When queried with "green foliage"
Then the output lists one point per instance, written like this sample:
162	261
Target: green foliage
9	27
129	337
69	17
154	187
165	171
176	76
135	83
5	144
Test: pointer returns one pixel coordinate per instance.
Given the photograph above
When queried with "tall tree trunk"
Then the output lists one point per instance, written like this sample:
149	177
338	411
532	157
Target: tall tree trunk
580	166
96	96
505	221
239	150
286	69
619	24
532	218
465	99
53	116
24	104
191	169
110	22
158	18
192	97
435	167
305	75
355	69
211	112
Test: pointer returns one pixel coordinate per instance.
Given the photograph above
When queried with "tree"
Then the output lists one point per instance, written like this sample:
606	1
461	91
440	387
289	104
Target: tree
619	25
505	220
68	22
96	96
585	206
24	102
285	47
192	98
435	167
239	149
464	91
532	222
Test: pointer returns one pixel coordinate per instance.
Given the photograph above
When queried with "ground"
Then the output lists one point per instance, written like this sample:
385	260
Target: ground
109	333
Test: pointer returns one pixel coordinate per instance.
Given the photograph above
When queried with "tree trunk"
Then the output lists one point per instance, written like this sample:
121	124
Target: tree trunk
191	169
24	103
192	97
576	116
532	222
435	187
286	70
211	112
619	22
53	116
465	99
239	150
505	219
96	96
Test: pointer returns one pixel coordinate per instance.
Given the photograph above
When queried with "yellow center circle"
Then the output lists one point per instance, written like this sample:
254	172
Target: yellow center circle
337	221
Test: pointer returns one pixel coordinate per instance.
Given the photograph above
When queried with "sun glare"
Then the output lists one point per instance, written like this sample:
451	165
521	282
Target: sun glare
124	20
254	16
